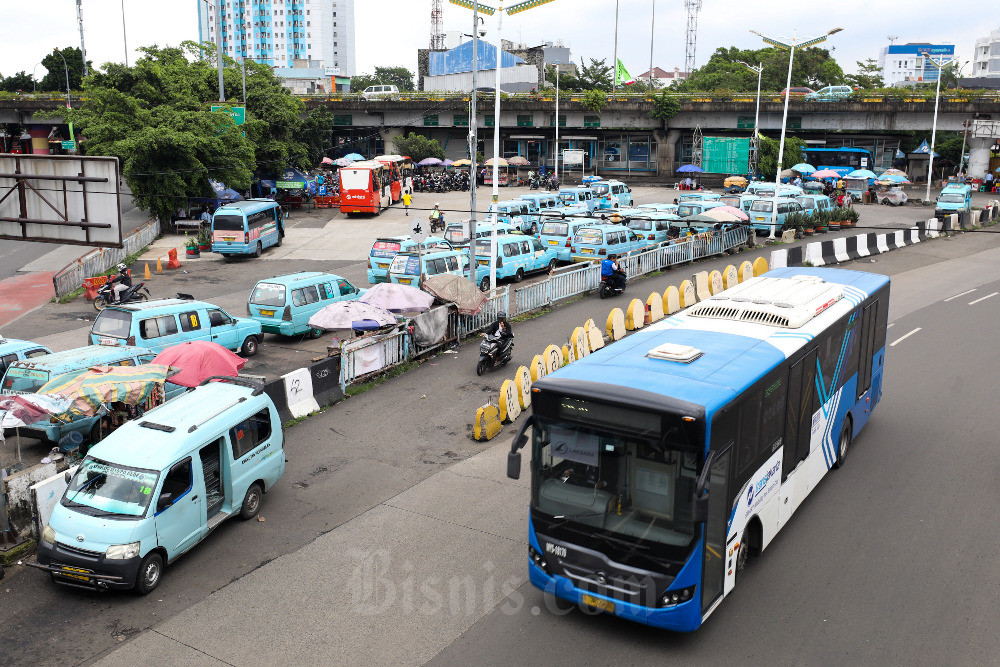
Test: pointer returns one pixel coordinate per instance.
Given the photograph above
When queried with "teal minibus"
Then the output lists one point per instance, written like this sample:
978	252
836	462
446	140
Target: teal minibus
515	257
954	198
385	248
284	304
411	268
247	227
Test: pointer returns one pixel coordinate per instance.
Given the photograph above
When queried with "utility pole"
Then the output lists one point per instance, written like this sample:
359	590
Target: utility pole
124	34
652	34
79	20
218	48
473	141
614	64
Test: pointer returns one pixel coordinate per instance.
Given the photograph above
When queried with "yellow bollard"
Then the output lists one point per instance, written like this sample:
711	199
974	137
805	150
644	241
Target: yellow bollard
537	368
671	300
715	282
759	266
487	425
146	275
687	295
616	324
523	381
510	406
746	271
654	307
635	315
729	277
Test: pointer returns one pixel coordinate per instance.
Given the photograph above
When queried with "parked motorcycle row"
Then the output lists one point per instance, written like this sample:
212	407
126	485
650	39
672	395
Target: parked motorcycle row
441	182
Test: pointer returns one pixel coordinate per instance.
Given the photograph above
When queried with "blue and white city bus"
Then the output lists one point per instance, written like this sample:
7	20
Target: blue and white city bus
662	462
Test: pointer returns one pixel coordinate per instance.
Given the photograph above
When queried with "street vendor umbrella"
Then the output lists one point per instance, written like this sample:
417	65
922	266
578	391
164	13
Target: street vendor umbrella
861	173
428	161
894	172
198	360
701	217
461	163
453	288
726	214
825	173
690	168
23	409
447	163
500	162
343	162
88	390
354	157
342	314
895	178
518	161
804	168
397	297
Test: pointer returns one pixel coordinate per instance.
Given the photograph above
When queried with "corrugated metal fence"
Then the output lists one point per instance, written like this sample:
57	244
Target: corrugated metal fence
367	355
99	260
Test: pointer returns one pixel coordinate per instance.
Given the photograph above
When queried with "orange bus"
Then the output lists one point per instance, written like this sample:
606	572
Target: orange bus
365	187
394	169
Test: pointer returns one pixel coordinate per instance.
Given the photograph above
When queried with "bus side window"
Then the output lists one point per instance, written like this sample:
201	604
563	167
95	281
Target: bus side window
750	413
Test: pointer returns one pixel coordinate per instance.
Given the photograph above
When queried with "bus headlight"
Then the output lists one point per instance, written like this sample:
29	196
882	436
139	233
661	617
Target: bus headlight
538	560
671	598
48	535
122	551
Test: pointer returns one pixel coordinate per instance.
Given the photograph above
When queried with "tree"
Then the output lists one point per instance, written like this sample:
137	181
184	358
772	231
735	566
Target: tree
399	76
665	107
317	133
155	118
769	154
812	67
869	75
55	80
594	100
596	75
567	82
21	81
418	147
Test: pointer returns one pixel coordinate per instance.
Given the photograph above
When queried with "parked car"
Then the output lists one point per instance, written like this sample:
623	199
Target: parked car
380	92
811	204
760	212
165	322
12	350
558	234
656	227
411	268
595	242
385	248
830	93
284	304
797	91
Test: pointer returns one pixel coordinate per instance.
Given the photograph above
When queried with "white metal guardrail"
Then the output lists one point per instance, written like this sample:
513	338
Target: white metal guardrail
100	260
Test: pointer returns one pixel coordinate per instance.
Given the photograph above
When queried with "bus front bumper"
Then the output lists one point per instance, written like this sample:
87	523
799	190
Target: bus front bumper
683	617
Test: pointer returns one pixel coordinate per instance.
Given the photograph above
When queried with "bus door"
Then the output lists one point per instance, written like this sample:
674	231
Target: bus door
713	573
867	351
802	403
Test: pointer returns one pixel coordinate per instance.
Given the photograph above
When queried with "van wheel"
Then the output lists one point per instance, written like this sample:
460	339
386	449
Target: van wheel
519	276
552	266
484	284
249	347
534	228
150	571
315	333
251	503
258	250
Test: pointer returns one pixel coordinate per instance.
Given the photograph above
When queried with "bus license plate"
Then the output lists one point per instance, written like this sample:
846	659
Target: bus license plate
587	251
228	239
405	281
68	572
483	262
553	242
267	313
598	603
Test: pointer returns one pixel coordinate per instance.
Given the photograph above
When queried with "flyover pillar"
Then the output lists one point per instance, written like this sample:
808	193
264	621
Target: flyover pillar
984	135
39	139
666	151
388	134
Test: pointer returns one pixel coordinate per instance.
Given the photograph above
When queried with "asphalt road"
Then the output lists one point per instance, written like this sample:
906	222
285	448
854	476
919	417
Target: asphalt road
882	564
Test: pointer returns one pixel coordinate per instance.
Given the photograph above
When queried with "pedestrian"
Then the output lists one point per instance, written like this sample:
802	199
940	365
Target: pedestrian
988	181
206	217
407	200
798	181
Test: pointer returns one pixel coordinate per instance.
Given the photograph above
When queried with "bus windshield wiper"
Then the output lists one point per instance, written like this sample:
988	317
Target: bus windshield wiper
572	517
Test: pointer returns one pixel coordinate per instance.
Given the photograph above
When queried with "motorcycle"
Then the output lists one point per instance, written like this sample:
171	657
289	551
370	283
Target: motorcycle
608	288
437	225
106	296
494	352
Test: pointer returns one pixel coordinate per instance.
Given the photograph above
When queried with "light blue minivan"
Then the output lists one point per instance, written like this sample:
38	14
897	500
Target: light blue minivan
516	256
12	350
595	242
284	304
611	194
385	248
699	196
411	268
247	227
954	198
578	196
457	233
656	227
760	212
542	201
165	322
158	486
518	214
558	233
30	375
689	208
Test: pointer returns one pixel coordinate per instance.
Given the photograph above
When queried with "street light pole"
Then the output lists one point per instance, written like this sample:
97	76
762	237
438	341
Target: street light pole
759	69
940	64
557	122
473	142
68	106
124	34
496	153
218	48
790	46
652	33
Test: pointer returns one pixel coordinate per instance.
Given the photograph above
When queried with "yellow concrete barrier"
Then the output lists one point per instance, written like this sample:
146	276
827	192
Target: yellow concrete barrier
537	367
523	381
729	277
580	342
635	315
595	337
487	424
671	300
510	407
616	324
715	282
701	290
687	294
654	306
553	359
759	266
746	271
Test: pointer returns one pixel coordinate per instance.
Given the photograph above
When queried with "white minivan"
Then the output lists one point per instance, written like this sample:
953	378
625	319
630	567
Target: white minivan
379	92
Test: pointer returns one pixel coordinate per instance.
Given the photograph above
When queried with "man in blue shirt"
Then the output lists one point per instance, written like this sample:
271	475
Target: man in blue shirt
609	268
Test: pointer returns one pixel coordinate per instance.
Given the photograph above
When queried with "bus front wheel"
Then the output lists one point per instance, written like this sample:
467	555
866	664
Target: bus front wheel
843	444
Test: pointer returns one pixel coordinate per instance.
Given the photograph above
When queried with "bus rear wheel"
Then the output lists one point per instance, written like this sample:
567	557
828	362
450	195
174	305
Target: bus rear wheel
258	250
843	444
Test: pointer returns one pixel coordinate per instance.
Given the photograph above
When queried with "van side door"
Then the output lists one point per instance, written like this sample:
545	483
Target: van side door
223	328
180	508
255	446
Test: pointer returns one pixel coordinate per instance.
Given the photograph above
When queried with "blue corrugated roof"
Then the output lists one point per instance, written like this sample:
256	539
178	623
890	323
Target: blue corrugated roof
459	59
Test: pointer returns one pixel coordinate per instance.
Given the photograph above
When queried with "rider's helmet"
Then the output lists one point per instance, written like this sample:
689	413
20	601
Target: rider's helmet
436	205
502	316
121	268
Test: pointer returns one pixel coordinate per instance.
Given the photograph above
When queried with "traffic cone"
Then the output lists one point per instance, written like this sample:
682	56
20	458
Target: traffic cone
159	265
146	273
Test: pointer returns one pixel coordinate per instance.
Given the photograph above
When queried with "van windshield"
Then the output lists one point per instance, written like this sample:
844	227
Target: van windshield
687	210
405	264
111	489
555	228
113	322
26	380
641	225
268	294
952	198
592	236
762	205
601	189
228	223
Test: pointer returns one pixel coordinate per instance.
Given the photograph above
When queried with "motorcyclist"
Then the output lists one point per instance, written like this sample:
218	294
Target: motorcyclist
120	282
501	327
437	217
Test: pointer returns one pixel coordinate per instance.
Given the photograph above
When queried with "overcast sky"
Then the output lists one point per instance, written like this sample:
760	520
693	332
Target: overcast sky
388	32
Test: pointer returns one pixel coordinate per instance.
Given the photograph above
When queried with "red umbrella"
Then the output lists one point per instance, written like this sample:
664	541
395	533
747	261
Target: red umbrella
199	359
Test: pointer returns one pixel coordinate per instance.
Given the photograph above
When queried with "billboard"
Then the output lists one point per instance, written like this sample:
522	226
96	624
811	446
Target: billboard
573	158
70	199
726	155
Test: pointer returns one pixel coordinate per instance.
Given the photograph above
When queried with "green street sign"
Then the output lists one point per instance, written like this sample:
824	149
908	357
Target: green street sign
69	145
744	123
239	114
290	185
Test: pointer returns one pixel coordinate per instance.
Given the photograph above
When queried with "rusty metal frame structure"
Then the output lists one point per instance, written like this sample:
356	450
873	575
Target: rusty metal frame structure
27	184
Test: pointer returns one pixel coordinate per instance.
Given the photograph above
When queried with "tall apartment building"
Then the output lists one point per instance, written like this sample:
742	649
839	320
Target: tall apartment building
279	32
986	59
905	64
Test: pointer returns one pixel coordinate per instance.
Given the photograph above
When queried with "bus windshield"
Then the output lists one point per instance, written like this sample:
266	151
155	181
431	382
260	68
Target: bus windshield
625	495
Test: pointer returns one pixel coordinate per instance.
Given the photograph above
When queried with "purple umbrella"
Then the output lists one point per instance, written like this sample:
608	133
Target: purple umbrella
428	161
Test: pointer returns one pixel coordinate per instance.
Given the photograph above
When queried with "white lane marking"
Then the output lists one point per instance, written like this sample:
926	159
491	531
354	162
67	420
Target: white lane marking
962	294
900	340
982	298
890	325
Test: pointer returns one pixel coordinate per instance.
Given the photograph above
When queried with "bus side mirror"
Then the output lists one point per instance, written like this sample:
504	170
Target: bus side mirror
514	455
699	507
67	477
514	465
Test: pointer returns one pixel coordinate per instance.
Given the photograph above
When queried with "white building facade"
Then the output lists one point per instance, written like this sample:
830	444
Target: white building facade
904	64
986	58
280	32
